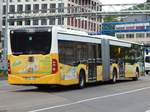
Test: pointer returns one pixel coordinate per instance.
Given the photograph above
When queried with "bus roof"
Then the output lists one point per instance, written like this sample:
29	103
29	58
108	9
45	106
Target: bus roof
86	35
113	38
77	33
105	37
70	31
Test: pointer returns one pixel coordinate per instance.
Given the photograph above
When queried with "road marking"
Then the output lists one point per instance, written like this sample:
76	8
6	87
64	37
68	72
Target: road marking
147	111
90	99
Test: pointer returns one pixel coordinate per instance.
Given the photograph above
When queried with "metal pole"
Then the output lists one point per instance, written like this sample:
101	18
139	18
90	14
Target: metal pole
96	18
61	14
5	37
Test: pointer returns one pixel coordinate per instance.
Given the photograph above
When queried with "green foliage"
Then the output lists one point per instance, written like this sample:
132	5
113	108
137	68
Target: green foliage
110	18
135	7
140	7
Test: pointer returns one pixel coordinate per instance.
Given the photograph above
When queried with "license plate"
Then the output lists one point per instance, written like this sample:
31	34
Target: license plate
30	78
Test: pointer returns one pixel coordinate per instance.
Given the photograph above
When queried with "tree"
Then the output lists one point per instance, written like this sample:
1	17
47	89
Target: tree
110	18
148	1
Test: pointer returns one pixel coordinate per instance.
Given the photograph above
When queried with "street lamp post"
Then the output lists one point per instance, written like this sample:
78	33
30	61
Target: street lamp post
5	37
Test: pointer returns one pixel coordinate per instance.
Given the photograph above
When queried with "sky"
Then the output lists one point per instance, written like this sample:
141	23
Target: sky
121	1
0	14
118	8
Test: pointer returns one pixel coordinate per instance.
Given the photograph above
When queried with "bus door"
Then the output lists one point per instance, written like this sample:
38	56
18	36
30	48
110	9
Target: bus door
92	66
105	59
130	57
121	62
121	65
117	56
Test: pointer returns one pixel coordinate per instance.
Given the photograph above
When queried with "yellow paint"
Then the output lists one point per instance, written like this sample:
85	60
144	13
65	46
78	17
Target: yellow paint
69	82
99	73
68	72
21	75
84	67
130	70
119	50
48	79
40	65
41	73
113	66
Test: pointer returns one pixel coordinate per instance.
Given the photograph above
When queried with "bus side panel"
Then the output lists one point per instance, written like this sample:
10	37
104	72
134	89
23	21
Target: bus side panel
68	74
131	70
68	67
99	73
76	56
133	59
99	66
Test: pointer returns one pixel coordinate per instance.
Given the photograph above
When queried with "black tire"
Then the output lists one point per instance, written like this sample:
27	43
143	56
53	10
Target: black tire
82	80
137	75
42	87
114	78
146	72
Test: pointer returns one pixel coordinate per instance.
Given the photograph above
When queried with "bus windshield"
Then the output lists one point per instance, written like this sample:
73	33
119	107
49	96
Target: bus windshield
147	59
30	43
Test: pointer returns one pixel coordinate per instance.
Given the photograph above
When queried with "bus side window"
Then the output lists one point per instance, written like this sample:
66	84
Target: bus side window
81	52
66	52
146	51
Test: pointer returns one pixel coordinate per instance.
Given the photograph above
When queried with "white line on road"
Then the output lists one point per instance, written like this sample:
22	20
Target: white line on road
147	111
90	99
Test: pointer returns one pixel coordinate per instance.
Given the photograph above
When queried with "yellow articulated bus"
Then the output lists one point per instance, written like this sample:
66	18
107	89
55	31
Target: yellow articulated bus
57	56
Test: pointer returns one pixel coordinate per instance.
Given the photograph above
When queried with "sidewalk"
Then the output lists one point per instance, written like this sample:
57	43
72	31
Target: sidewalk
3	76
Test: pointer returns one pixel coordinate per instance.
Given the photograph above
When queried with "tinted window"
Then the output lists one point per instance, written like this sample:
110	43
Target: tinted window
147	59
30	43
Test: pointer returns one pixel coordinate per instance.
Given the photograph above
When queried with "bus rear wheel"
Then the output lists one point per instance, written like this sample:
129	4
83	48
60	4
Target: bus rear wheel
82	81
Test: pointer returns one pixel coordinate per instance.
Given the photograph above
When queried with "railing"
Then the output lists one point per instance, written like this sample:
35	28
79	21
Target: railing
84	11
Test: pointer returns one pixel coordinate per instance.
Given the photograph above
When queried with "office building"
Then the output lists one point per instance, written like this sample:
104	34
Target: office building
48	6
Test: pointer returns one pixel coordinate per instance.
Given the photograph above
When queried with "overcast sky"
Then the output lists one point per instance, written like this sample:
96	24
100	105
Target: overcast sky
0	15
121	1
118	8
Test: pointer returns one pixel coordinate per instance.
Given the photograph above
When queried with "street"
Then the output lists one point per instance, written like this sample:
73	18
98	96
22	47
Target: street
124	96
